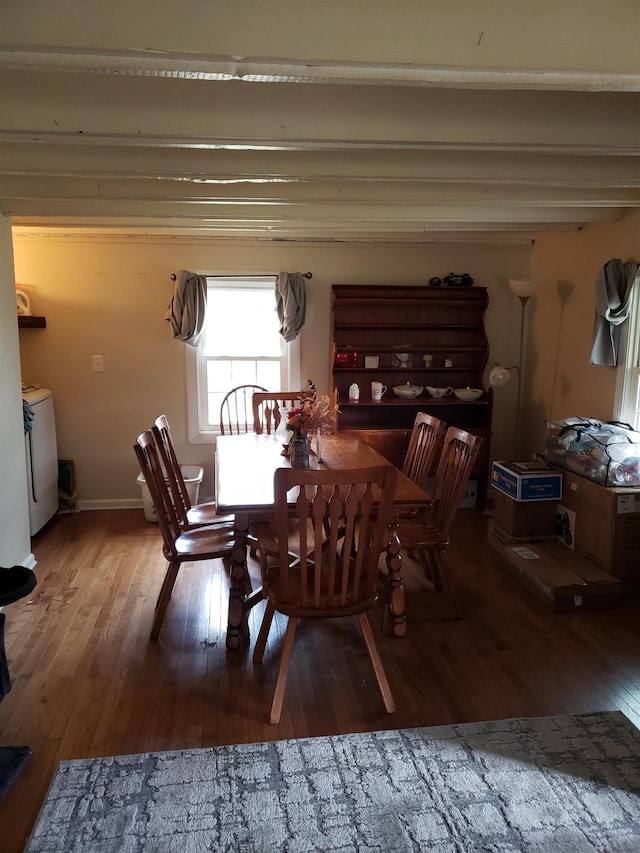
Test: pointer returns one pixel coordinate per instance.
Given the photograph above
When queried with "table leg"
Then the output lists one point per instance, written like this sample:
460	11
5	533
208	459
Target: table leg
395	620
237	622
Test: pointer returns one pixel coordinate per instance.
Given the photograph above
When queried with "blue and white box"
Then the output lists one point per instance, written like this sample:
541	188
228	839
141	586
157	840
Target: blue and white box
527	481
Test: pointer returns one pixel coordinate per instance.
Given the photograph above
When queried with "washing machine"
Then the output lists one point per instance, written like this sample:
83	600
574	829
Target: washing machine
42	458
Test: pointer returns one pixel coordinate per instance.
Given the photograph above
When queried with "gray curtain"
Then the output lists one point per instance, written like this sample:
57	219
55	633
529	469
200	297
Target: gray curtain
291	301
614	285
187	307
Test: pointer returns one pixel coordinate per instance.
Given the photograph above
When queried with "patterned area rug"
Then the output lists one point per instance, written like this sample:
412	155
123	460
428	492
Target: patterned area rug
569	783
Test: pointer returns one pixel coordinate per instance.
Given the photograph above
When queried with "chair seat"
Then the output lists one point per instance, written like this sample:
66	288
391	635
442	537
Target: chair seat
205	514
417	535
197	543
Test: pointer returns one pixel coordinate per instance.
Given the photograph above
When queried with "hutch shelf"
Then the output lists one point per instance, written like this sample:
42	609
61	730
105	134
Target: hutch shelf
383	333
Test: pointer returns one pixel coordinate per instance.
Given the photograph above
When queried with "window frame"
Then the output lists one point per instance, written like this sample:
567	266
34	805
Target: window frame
196	367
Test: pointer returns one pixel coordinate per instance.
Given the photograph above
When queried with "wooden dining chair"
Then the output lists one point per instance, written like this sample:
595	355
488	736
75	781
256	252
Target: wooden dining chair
179	545
266	408
428	537
236	410
189	515
319	557
426	438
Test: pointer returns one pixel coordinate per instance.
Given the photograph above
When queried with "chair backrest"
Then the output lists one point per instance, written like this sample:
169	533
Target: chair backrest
167	453
153	473
426	437
266	408
338	526
236	410
457	458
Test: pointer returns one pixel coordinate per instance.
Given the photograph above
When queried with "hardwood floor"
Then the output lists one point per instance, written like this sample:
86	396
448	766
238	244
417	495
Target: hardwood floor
87	681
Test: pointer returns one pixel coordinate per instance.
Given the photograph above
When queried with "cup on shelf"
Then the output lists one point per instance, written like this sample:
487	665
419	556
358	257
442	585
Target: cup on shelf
377	390
439	392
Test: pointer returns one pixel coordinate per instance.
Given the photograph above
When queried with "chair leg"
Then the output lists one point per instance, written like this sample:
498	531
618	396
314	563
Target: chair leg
283	670
435	565
430	572
261	642
376	662
441	560
163	598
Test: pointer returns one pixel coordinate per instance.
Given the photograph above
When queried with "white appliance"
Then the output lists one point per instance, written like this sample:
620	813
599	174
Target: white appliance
42	459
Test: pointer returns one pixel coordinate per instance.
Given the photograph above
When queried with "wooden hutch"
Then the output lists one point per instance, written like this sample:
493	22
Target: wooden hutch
394	328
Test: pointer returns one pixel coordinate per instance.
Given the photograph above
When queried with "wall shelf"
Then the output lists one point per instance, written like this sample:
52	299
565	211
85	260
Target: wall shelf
28	321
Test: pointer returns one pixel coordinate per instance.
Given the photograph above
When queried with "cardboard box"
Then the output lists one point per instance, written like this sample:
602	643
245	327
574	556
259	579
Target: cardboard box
607	524
524	518
496	536
527	481
564	580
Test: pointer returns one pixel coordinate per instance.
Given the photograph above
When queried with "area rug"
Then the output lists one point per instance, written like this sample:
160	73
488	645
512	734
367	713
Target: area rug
569	783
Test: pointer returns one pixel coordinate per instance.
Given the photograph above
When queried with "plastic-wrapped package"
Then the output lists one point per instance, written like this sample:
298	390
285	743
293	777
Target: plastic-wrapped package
605	452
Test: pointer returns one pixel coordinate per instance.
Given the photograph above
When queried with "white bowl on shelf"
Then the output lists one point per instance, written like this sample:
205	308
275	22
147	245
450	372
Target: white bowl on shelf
468	394
408	391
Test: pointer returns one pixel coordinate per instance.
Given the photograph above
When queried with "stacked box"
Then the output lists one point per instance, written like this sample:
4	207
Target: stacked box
563	579
607	525
524	518
527	481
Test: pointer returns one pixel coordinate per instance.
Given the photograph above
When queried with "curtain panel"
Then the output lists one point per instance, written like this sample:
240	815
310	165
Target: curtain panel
186	311
614	286
291	302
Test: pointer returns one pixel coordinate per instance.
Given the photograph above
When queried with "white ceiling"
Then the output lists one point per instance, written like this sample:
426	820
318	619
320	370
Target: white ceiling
351	121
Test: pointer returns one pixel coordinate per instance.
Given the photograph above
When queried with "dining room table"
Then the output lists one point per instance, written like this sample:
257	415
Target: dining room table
244	470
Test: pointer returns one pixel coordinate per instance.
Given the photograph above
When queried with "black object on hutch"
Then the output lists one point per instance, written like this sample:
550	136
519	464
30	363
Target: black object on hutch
383	333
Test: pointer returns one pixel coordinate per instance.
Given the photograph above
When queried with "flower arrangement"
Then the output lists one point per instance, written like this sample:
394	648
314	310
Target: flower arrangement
314	412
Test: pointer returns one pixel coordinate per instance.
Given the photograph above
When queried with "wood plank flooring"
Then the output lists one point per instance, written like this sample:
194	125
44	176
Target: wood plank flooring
87	681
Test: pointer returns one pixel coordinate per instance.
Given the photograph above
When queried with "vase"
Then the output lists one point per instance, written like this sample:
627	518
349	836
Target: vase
299	451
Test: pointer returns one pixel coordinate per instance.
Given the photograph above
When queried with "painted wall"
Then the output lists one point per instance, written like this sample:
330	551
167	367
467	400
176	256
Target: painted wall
107	296
15	546
560	381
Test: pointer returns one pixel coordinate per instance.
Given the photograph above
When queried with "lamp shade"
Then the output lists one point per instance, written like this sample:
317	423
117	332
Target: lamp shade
499	376
523	286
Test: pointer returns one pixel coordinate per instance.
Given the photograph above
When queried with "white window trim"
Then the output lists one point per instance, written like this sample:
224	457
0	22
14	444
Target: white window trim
200	435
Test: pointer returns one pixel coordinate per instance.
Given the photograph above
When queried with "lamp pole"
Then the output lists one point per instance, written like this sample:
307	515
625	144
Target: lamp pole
524	290
523	306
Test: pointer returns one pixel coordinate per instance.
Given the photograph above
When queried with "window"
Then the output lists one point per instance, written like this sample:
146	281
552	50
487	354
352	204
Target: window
241	345
627	401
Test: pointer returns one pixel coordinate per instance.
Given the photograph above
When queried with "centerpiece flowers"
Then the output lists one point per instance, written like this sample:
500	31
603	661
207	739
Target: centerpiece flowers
314	414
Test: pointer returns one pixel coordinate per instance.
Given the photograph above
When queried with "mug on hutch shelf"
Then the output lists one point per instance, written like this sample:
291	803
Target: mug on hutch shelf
377	390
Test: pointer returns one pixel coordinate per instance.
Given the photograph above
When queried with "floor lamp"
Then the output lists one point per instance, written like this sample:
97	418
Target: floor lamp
524	288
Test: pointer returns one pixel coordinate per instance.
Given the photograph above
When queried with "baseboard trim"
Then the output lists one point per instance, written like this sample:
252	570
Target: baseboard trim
116	503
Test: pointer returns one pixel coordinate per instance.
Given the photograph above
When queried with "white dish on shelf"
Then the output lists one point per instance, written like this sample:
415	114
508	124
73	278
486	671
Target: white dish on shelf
408	391
468	394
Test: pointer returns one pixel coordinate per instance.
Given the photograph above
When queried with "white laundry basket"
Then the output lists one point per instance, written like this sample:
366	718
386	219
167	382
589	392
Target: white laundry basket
192	475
